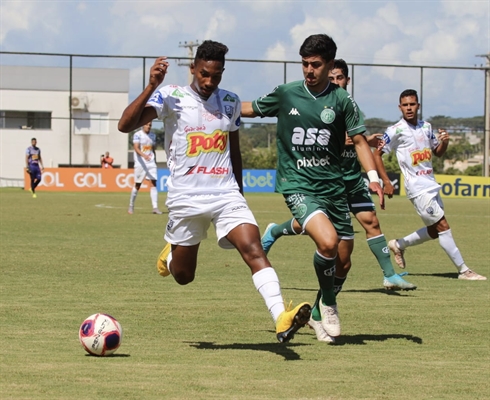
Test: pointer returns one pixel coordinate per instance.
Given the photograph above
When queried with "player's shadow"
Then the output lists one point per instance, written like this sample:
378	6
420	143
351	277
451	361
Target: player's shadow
109	356
362	339
447	275
376	290
281	349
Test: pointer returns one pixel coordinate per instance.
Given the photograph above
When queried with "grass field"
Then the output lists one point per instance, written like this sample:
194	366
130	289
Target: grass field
64	256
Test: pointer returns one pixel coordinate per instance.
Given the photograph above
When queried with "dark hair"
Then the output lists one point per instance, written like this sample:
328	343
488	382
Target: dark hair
409	92
342	65
33	139
319	45
211	51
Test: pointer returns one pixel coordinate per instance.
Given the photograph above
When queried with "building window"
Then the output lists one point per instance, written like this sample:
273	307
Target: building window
90	123
25	119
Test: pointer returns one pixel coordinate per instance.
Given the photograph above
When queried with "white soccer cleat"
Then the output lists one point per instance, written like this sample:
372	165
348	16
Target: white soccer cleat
470	275
130	210
330	319
399	259
321	335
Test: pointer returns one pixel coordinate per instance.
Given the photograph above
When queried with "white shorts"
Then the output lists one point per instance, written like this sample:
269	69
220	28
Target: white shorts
145	171
189	217
429	206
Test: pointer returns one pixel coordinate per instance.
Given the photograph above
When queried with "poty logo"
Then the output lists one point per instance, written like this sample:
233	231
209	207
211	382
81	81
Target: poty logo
420	156
89	180
200	142
312	162
51	180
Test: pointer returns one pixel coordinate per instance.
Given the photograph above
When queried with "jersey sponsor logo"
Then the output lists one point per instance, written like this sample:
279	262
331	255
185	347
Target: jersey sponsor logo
312	162
146	148
349	154
201	169
424	172
177	93
229	98
294	111
188	129
327	115
238	208
311	136
420	156
386	138
229	111
199	142
156	98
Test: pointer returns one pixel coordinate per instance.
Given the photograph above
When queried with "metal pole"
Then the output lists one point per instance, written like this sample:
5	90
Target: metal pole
421	93
285	72
144	72
486	142
71	112
352	79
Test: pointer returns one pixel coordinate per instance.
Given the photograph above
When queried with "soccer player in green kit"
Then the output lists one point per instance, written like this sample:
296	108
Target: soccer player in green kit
314	116
360	204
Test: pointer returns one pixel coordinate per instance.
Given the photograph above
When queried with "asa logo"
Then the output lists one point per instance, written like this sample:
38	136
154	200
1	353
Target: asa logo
420	156
200	142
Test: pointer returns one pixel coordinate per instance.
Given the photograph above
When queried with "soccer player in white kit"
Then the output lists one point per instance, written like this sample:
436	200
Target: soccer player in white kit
414	143
205	184
145	166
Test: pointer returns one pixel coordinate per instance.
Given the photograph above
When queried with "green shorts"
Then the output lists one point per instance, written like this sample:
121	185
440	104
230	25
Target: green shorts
303	207
358	196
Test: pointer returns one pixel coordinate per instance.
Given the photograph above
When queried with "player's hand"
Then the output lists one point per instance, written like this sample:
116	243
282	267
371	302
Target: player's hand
388	189
443	135
28	170
158	71
348	140
376	188
374	139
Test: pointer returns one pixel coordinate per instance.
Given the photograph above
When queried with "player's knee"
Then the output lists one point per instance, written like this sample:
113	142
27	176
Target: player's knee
328	247
183	277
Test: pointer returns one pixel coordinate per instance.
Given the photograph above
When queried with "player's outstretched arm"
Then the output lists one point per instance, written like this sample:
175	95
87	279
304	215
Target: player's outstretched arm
137	114
367	161
247	110
236	158
380	167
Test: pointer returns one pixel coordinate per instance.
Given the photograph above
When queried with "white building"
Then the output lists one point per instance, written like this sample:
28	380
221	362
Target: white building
35	102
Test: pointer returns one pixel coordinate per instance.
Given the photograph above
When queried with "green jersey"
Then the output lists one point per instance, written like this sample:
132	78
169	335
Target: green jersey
311	131
350	164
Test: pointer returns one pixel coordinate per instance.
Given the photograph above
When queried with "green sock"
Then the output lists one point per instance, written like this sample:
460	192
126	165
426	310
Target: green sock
325	272
286	228
315	310
337	284
379	247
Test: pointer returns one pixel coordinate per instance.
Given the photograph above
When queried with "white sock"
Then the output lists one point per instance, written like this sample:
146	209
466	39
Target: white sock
169	258
132	199
447	243
415	238
154	196
267	284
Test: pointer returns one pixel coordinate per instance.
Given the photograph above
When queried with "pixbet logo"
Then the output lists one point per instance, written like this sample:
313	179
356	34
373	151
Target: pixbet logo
261	181
312	162
51	179
89	179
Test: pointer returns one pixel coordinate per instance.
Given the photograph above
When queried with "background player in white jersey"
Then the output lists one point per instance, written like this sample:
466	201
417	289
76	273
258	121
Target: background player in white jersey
414	143
34	165
145	166
205	184
360	204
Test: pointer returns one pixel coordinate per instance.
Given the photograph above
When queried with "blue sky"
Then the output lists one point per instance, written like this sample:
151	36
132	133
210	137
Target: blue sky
428	32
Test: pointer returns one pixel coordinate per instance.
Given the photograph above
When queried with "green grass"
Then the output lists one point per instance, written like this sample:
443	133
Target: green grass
64	256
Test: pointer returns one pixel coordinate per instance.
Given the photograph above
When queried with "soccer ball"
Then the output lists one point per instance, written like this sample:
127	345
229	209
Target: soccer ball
100	334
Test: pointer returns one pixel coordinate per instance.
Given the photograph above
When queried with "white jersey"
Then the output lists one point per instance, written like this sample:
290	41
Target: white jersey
413	147
197	138
146	142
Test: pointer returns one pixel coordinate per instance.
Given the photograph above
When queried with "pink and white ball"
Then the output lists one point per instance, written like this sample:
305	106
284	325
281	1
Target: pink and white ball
100	335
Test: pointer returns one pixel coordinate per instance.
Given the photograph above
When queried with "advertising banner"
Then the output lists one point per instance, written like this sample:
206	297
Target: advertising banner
86	180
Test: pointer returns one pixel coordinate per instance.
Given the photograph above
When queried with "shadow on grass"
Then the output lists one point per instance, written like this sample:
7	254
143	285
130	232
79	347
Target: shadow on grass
281	349
377	290
362	339
109	356
448	275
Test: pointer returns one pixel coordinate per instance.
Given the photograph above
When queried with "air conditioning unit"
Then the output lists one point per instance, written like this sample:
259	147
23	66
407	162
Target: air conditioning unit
79	102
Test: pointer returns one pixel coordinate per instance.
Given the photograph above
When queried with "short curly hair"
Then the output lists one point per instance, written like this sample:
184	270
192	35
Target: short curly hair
211	51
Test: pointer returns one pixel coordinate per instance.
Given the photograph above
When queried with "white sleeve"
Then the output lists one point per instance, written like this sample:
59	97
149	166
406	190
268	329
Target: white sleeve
157	101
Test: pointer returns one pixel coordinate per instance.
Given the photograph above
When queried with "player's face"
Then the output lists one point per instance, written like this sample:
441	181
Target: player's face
337	76
315	71
409	108
207	77
33	142
147	127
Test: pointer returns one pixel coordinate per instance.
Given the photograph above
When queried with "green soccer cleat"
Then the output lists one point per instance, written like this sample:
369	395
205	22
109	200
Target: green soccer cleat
290	321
